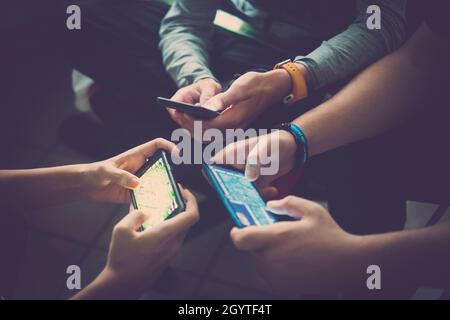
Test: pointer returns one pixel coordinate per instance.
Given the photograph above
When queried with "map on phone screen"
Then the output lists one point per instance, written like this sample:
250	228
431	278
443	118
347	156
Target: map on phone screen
156	195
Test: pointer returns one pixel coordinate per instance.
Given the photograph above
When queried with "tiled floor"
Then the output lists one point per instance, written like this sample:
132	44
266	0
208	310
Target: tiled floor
208	266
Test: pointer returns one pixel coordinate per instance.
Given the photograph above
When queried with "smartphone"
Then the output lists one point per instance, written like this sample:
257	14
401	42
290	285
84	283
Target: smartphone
193	110
157	195
240	196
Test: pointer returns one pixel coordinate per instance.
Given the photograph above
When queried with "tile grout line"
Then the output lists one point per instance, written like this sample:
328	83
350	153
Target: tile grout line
58	236
209	267
437	215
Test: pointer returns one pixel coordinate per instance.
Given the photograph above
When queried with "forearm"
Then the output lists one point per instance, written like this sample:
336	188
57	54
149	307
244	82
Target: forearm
416	256
40	187
107	285
379	98
369	105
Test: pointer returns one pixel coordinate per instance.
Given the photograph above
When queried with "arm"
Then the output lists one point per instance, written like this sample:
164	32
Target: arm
105	181
186	33
136	259
380	97
336	59
39	187
420	255
314	255
355	48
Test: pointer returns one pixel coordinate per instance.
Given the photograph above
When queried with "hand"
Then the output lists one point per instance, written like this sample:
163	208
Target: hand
313	255
110	180
196	93
244	101
275	151
142	255
136	259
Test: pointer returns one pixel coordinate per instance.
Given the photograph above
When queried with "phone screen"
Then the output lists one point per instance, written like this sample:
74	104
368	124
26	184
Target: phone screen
242	197
157	195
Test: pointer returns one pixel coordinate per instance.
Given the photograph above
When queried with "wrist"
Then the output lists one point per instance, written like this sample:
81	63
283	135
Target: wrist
87	179
107	279
84	174
77	176
114	280
290	147
277	84
110	285
301	142
357	258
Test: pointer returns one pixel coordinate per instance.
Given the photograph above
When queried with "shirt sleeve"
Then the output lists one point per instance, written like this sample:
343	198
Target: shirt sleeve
357	47
186	37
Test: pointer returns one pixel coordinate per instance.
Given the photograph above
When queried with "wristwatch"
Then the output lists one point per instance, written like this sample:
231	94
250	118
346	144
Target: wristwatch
300	141
299	86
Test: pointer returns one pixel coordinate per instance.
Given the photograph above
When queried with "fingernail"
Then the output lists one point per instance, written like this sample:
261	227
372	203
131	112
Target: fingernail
272	207
250	173
175	155
135	182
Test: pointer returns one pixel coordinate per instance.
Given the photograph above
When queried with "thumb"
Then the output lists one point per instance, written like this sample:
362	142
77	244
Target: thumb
236	153
131	221
208	91
223	100
294	207
253	164
216	103
252	238
121	177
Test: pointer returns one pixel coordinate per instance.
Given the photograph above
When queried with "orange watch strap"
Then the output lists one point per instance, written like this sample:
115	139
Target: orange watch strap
299	86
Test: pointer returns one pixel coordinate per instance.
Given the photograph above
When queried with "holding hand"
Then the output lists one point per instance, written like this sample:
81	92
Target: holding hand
277	149
136	259
312	255
196	93
110	180
243	102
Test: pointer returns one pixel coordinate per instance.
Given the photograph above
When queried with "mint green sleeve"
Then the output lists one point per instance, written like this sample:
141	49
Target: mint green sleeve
186	37
357	47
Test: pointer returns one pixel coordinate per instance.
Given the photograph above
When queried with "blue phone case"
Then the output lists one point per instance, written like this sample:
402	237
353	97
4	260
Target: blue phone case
233	207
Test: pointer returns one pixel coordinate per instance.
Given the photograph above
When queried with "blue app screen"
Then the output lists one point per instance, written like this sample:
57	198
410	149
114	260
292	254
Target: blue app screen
247	203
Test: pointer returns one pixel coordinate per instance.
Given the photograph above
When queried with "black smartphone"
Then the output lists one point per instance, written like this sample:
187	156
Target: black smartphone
198	112
240	196
157	195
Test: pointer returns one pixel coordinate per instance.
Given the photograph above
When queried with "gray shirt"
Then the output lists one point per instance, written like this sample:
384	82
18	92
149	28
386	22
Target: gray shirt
344	43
